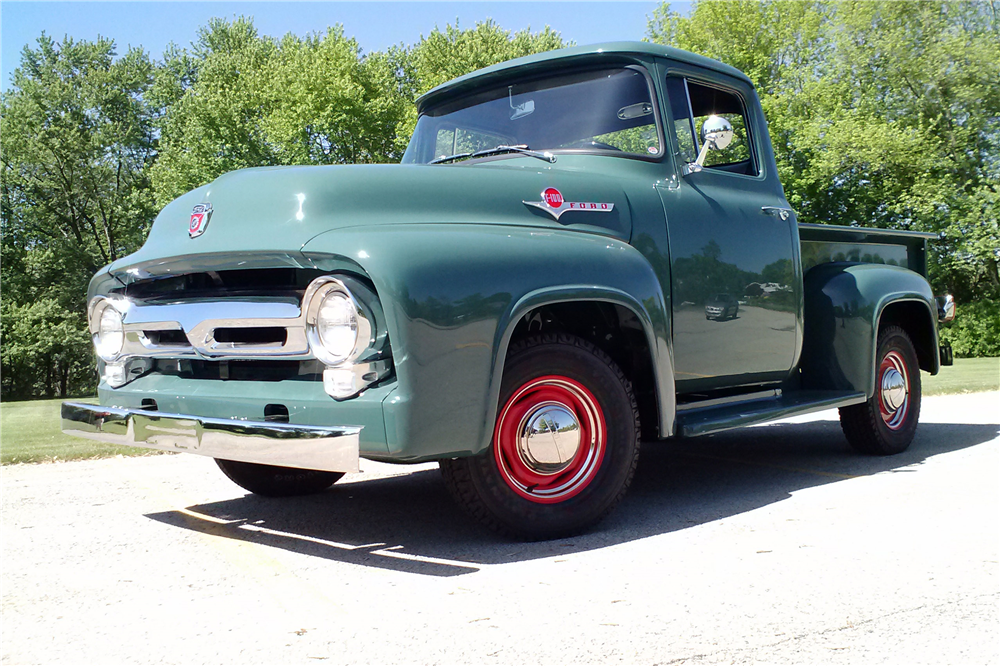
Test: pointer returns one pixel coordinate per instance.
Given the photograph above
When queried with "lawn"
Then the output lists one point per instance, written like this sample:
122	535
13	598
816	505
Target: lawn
29	431
968	375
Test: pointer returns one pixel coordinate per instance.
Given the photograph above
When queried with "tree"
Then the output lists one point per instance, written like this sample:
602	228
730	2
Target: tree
76	141
239	99
212	102
332	105
453	52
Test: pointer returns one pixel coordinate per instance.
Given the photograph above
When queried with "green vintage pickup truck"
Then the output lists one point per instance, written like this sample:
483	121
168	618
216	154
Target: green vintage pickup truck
529	295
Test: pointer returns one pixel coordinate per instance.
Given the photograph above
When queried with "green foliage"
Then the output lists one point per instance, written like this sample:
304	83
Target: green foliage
239	99
46	350
975	330
453	52
77	141
213	102
445	55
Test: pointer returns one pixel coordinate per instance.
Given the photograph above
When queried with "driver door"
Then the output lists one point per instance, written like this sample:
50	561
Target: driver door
728	240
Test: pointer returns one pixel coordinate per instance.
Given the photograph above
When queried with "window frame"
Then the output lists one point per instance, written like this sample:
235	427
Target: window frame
670	70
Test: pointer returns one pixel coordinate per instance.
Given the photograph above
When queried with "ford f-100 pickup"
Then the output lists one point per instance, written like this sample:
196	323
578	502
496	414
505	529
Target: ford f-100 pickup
581	250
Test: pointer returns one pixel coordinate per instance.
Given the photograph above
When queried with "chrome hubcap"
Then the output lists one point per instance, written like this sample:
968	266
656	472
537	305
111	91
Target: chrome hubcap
893	389
549	438
894	393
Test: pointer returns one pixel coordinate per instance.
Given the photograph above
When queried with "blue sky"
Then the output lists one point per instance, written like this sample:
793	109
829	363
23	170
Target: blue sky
376	25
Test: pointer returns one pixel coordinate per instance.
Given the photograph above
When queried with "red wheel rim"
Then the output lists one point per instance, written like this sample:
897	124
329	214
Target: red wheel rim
893	390
550	439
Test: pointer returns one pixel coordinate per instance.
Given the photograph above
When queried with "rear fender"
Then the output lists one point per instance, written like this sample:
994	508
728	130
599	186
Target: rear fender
845	305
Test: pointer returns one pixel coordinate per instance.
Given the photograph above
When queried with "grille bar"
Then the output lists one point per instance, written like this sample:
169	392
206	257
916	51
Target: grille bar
230	329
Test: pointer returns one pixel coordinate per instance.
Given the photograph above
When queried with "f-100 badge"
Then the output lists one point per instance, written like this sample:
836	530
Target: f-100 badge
200	216
553	203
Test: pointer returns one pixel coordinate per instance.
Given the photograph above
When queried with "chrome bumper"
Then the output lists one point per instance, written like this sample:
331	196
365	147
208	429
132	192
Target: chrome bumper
332	449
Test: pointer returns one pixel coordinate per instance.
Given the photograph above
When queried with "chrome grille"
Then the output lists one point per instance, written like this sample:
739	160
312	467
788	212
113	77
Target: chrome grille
233	328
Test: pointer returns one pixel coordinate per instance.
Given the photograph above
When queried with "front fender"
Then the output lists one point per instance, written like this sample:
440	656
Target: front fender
452	296
844	306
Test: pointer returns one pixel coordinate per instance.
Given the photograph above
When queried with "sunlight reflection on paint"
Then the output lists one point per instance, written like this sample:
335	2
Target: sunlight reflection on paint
300	215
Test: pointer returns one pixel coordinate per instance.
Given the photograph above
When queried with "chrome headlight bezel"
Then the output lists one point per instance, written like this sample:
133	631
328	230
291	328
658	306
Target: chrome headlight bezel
320	289
101	309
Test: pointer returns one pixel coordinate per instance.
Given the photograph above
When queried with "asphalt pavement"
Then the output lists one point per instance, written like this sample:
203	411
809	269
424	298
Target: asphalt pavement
774	544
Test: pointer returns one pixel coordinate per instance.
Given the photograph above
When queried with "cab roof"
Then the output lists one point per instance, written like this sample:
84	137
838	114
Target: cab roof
561	57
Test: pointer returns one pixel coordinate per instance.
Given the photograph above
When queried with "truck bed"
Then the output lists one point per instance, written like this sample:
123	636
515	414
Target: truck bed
826	243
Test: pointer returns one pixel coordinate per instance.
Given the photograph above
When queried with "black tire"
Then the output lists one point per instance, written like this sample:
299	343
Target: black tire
491	485
272	481
874	427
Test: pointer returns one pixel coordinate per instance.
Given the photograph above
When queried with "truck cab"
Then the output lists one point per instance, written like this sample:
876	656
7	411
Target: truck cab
582	249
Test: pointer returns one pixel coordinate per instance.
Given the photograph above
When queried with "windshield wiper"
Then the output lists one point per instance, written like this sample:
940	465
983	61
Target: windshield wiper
449	158
499	150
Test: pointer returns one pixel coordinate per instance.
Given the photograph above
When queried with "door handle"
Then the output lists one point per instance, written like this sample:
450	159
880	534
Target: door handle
783	213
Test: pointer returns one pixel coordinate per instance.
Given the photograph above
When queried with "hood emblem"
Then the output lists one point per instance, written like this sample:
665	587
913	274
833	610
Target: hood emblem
555	205
200	216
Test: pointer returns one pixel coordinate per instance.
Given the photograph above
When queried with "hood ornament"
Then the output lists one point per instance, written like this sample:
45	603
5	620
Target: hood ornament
200	215
555	205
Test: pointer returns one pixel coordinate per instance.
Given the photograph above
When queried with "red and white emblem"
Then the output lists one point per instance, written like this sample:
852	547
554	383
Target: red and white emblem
200	216
555	205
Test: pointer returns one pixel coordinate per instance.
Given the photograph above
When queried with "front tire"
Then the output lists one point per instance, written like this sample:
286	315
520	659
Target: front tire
273	481
886	423
565	444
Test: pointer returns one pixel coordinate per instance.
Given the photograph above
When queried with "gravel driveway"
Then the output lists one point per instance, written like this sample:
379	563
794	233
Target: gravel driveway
773	544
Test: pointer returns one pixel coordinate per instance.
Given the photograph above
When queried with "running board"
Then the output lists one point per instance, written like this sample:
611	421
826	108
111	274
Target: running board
706	420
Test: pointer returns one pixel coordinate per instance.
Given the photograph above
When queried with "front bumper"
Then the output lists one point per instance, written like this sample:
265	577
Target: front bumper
331	449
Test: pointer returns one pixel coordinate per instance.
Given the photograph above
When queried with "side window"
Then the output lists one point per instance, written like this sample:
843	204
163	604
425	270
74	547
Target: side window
692	103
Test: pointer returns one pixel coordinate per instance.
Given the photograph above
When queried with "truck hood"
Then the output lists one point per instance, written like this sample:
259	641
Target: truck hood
268	213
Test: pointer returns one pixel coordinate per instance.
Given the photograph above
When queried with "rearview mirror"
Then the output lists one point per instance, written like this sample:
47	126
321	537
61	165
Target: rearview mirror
523	109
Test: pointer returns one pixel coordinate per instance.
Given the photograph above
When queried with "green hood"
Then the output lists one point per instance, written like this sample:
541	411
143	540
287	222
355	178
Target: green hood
264	216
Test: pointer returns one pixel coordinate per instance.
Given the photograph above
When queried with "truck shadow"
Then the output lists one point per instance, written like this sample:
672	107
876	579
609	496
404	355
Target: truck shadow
408	523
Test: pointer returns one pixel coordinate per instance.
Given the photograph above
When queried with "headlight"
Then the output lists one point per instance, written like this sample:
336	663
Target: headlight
108	329
337	327
337	324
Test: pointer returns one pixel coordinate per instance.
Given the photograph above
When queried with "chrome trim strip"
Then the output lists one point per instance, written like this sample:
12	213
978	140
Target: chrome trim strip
327	448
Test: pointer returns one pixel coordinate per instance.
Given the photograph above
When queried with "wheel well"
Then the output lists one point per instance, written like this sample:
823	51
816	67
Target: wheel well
614	329
914	318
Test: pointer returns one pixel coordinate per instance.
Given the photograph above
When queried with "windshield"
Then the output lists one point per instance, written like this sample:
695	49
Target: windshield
606	111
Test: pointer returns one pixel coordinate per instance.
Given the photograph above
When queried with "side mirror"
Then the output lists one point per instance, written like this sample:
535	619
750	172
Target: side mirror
946	307
716	134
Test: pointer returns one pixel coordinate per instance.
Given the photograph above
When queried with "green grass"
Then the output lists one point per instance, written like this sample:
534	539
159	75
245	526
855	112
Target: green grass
29	432
968	375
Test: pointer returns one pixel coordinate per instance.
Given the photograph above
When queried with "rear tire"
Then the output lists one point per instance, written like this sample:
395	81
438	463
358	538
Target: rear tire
886	423
273	481
565	444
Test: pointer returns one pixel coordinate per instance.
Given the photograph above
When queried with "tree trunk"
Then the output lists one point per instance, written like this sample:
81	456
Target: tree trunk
63	378
49	379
